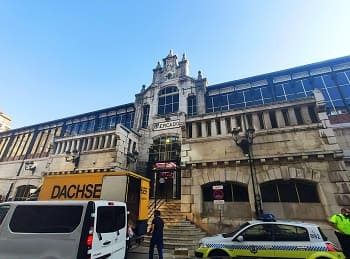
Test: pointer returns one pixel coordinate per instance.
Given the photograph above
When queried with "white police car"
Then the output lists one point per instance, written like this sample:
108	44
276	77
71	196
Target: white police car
270	239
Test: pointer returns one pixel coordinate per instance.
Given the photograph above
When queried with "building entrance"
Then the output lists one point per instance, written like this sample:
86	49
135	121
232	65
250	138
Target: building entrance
164	167
165	175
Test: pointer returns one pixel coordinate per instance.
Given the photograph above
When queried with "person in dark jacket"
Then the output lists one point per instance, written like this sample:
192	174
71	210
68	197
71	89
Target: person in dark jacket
157	235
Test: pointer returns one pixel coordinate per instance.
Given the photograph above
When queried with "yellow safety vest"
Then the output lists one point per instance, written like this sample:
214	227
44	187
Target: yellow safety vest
342	223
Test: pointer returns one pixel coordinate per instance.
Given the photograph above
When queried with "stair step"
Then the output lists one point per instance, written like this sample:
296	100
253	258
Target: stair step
179	233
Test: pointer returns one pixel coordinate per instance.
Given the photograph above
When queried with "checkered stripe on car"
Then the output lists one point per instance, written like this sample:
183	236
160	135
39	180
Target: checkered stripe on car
268	247
299	247
243	247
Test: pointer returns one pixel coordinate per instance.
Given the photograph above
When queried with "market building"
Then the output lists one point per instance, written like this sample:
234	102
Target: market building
273	143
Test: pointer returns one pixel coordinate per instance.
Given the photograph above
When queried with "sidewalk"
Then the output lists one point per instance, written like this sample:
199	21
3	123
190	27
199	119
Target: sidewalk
144	250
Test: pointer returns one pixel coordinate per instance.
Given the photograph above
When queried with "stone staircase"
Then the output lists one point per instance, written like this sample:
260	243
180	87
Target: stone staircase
180	235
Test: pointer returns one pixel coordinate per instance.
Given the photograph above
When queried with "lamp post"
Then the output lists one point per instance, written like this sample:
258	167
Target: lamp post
245	142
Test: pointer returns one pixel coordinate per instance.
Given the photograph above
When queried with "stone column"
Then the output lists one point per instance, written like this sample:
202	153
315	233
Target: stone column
204	129
256	122
233	123
305	115
100	142
107	141
88	146
112	141
213	128
224	130
58	148
280	120
292	117
194	130
68	146
94	143
267	121
78	145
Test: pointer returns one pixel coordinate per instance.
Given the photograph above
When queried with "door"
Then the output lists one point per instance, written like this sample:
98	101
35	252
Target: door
291	241
255	242
110	230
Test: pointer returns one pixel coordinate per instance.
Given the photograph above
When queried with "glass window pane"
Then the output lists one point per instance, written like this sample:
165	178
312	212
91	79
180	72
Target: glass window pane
341	78
317	82
328	80
287	191
46	219
269	192
240	193
307	192
279	90
290	233
307	85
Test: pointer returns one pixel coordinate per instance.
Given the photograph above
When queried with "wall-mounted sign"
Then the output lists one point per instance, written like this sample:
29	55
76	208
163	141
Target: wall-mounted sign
166	125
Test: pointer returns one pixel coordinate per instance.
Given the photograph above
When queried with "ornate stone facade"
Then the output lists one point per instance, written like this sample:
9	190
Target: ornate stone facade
178	132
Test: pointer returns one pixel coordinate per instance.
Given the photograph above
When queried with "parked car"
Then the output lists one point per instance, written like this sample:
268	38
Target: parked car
63	229
270	239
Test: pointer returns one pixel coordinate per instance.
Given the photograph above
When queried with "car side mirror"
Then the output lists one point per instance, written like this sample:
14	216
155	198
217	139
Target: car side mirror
239	239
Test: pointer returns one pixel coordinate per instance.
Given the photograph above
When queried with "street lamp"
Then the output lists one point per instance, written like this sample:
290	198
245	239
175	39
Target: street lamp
245	142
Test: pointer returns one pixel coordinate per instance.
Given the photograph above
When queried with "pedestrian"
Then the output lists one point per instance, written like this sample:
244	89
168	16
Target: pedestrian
341	223
157	235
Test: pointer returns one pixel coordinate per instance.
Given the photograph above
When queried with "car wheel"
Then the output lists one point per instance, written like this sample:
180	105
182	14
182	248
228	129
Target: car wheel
218	254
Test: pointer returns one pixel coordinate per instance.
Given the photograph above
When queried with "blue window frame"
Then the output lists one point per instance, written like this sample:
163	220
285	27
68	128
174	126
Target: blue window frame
168	100
192	105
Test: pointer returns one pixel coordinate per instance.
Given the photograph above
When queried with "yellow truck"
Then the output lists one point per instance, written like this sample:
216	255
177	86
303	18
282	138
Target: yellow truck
124	186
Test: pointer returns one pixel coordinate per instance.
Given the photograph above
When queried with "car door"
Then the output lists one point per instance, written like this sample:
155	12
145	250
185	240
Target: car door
110	231
291	241
254	242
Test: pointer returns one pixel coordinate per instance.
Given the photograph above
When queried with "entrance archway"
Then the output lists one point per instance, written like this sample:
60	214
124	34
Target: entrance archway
164	167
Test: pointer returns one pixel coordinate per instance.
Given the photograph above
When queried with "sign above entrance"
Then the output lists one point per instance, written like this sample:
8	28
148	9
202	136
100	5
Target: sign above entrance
166	125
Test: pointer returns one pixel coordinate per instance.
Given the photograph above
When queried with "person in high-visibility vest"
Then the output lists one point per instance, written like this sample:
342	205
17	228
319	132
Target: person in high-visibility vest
341	223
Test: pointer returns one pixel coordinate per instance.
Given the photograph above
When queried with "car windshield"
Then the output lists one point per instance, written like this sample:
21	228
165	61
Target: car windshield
231	234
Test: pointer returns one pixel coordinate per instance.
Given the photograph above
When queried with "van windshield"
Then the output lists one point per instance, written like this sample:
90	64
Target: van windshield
46	218
3	211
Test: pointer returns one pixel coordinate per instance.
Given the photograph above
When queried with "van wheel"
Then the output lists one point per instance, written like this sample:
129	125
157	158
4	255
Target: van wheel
218	254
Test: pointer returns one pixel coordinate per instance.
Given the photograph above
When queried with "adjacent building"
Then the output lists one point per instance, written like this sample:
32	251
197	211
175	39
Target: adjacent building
178	132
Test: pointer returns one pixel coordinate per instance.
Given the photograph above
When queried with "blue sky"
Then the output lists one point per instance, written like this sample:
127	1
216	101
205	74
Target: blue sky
62	58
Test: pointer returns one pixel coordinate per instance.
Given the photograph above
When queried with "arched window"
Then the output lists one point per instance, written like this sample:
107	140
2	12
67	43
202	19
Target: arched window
232	191
168	100
23	192
192	105
289	191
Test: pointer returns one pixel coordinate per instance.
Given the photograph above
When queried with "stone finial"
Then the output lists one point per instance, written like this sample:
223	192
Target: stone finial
171	53
158	65
184	57
143	88
199	75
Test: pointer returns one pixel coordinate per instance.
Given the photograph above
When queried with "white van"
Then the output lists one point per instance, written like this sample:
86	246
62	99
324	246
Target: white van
63	229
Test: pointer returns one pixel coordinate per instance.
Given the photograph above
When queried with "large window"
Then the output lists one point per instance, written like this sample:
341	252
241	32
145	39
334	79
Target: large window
145	116
335	87
232	191
168	101
289	191
46	219
192	105
165	149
